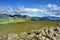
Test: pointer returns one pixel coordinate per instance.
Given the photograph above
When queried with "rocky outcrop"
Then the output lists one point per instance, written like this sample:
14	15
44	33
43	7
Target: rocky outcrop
45	33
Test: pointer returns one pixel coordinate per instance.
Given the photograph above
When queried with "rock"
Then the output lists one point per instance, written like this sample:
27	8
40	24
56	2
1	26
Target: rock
58	28
13	36
45	33
23	35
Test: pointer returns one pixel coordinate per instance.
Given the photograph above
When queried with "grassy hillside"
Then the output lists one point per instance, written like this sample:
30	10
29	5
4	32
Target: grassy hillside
9	20
26	26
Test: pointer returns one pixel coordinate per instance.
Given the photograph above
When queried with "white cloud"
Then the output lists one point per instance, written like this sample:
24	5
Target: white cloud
53	6
33	10
6	10
22	10
53	10
30	10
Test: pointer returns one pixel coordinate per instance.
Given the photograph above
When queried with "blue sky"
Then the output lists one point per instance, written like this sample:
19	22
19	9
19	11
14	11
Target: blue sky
27	3
35	7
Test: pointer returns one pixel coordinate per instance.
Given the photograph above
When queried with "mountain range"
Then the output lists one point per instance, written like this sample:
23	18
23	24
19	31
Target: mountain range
25	17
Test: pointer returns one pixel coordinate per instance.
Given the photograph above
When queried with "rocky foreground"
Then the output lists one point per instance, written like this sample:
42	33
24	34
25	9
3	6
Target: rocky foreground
45	33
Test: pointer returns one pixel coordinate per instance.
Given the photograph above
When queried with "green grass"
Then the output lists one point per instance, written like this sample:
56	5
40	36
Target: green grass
26	26
2	21
13	20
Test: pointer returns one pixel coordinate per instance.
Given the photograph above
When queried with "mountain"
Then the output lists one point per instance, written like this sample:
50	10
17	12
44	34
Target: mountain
50	18
53	18
44	18
20	18
5	18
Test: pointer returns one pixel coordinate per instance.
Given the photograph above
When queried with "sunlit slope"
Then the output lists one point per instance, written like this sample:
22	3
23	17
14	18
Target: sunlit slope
4	18
11	20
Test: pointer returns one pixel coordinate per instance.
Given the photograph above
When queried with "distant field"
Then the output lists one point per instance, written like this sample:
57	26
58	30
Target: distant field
26	26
